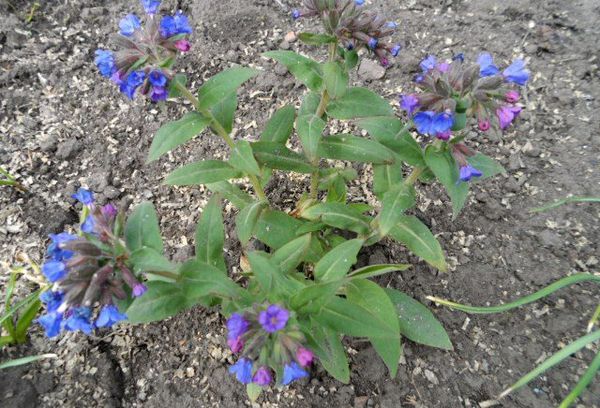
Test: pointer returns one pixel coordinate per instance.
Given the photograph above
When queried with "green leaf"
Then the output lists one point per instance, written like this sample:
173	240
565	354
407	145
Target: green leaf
210	235
221	86
411	232
359	103
173	134
376	270
280	126
312	298
161	300
373	298
273	282
200	279
289	256
309	127
25	360
231	192
386	177
354	148
5	317
397	200
246	220
149	260
335	79
177	79
25	320
328	347
253	390
316	39
142	229
224	111
488	166
394	135
304	69
276	228
202	172
443	165
338	215
277	156
242	158
350	59
417	323
337	262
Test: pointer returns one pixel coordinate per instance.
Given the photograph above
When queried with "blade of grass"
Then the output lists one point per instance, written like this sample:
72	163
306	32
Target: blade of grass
26	360
594	319
19	305
569	280
564	201
584	381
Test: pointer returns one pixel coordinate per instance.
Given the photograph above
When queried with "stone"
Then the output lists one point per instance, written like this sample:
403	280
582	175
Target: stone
290	37
68	148
370	70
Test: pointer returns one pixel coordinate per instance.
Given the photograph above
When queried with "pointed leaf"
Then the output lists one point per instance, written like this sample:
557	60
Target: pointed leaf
337	262
177	79
316	39
328	347
488	166
277	156
385	177
394	135
359	103
200	279
149	260
309	127
289	256
142	229
272	280
202	172
443	165
210	235
280	126
245	222
312	298
224	111
376	270
173	134
338	215
237	197
276	228
304	69
353	148
335	79
397	200
161	300
222	85
411	232
242	158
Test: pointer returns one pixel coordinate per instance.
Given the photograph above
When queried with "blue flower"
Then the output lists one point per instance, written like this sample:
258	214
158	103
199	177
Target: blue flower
52	300
237	326
409	103
159	93
486	65
392	24
84	196
467	172
396	50
51	323
79	319
431	123
359	2
373	42
105	61
428	63
151	6
516	72
132	82
174	25
182	23
157	78
88	225
459	57
108	316
54	250
296	14
292	372
242	370
54	270
129	24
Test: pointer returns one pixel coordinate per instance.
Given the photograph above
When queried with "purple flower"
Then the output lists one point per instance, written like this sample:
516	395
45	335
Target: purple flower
157	78
409	103
484	125
373	42
159	93
262	377
443	67
506	115
132	82
512	96
54	270
129	24
467	172
109	210
486	65
79	319
516	72
304	356
52	300
274	318
54	250
84	196
237	326
242	370
105	61
291	372
296	14
151	6
182	45
51	323
396	50
235	344
431	123
108	316
139	289
445	135
428	63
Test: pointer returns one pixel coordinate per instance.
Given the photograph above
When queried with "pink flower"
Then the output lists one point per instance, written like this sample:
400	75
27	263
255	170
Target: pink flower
236	345
445	135
512	96
443	67
182	45
304	356
506	115
484	125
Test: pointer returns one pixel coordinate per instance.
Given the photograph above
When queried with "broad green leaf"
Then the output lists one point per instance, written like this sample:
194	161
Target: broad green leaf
276	228
443	165
338	215
210	235
328	347
316	39
277	156
352	319
272	280
289	256
335	79
488	166
354	148
376	270
394	135
173	134
149	260
418	323
253	390
25	360
304	69
202	172
177	79
350	59
312	298
280	126
337	192
224	111
142	229
231	192
161	300
372	297
246	220
411	232
337	262
242	158
359	103
309	127
385	177
222	85
200	279
400	198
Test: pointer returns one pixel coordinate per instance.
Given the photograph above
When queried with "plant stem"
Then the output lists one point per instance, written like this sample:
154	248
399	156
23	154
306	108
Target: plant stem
414	176
221	132
165	274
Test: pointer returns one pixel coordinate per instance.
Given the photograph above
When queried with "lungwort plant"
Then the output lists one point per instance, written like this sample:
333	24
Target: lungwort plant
296	299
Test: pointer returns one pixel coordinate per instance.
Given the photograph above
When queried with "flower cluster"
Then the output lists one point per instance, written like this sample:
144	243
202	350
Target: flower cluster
87	269
268	341
354	27
145	54
454	91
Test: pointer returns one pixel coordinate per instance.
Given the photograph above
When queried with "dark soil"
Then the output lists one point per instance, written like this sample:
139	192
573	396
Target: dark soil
62	126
